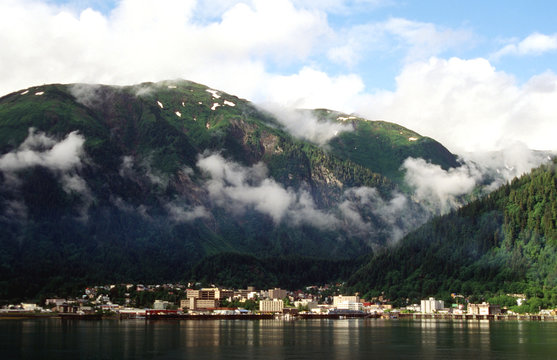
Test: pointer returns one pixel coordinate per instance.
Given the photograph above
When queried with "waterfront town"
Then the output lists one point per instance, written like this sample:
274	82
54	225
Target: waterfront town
133	301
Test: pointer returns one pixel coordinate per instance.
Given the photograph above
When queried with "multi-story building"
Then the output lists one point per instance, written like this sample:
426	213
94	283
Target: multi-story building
56	302
277	293
345	298
190	293
431	305
241	294
206	298
199	304
306	303
483	309
185	303
208	294
354	306
271	306
215	294
161	305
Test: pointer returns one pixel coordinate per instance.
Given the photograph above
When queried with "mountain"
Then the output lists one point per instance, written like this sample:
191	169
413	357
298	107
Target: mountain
383	146
140	183
504	243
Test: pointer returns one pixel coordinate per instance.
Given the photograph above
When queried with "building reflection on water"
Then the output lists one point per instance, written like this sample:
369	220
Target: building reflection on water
265	339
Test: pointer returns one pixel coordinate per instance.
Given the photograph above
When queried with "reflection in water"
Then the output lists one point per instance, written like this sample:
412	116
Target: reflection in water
268	339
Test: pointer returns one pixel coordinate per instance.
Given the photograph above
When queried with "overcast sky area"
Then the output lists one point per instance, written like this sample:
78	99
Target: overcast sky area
475	75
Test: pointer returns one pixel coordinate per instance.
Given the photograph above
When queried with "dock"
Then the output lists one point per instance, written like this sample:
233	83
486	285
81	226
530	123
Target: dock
502	317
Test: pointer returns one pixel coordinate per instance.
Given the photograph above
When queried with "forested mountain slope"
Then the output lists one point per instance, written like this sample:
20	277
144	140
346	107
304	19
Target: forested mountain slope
140	183
503	243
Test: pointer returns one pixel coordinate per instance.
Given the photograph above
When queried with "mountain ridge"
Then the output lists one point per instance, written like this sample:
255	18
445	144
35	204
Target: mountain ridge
143	181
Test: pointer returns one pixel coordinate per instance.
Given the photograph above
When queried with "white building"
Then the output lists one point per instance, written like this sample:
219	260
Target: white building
306	303
431	305
347	305
343	298
271	306
483	309
161	305
29	307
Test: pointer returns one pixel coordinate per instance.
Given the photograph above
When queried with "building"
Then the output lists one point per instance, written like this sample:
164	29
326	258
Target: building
55	302
29	307
215	294
431	305
352	306
208	294
161	305
379	308
345	298
271	306
185	304
483	309
190	293
241	294
306	303
199	304
277	293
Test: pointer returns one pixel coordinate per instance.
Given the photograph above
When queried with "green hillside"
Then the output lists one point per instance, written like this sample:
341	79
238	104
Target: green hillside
504	243
383	146
140	183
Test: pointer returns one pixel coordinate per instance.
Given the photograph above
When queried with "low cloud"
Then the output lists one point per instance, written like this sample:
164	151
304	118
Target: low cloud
444	190
239	188
362	211
127	207
397	216
15	210
185	213
89	95
40	150
440	190
514	160
303	124
64	158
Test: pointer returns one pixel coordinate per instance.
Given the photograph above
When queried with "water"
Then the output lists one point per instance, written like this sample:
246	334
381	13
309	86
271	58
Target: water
274	339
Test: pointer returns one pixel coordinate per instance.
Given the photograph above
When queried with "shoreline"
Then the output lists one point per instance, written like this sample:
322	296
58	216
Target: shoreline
415	316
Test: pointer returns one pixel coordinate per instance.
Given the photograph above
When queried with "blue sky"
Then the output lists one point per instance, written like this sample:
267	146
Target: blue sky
492	24
476	75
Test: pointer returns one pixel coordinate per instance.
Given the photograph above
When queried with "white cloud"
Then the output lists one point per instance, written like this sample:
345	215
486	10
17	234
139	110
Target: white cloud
64	158
438	189
396	216
64	155
417	40
239	188
304	124
150	40
15	210
469	106
441	191
534	44
361	212
233	45
500	167
185	214
310	88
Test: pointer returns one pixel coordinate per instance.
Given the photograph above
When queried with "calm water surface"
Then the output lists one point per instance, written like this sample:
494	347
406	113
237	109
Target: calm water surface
274	339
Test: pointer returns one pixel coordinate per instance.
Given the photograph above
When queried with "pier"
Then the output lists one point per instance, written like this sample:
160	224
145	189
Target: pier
502	317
